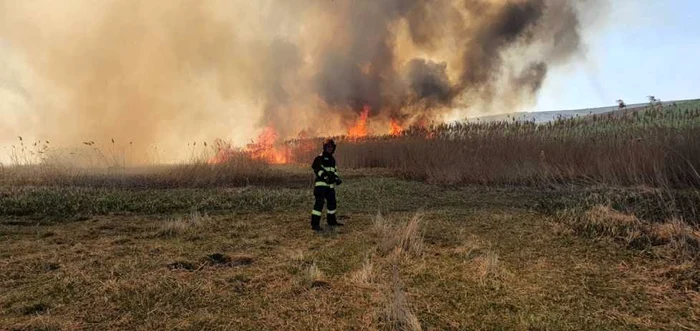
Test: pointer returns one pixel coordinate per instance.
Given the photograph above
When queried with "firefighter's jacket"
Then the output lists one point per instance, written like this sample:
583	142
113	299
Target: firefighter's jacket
325	170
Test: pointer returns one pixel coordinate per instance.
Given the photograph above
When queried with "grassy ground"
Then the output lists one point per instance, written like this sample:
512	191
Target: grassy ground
411	256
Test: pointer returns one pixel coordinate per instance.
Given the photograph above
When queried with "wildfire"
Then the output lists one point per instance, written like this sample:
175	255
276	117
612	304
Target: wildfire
224	152
266	146
265	149
359	130
394	128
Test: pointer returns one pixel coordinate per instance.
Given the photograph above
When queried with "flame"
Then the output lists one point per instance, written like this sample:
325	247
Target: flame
394	128
265	149
224	152
359	130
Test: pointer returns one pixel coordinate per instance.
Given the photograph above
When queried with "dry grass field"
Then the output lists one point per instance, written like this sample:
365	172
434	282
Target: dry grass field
583	224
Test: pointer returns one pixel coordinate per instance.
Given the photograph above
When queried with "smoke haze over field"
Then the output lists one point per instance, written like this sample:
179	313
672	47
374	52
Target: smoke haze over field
169	72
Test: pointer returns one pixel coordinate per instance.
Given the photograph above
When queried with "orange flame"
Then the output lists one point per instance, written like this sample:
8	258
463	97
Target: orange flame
265	149
359	130
394	128
224	152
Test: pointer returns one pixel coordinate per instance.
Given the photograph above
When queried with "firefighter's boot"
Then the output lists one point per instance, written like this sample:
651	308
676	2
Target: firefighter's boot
316	223
333	220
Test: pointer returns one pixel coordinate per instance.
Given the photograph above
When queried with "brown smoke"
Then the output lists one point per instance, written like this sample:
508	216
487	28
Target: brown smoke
168	72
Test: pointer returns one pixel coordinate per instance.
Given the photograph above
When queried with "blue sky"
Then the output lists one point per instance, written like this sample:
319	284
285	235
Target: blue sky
646	47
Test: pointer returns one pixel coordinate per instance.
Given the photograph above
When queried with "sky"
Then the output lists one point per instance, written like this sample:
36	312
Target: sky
646	47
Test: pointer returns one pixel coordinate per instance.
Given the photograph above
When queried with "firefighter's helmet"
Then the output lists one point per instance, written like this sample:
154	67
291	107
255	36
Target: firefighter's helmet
328	142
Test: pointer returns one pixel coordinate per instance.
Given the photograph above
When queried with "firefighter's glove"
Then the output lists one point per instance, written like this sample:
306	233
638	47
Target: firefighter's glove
330	178
338	181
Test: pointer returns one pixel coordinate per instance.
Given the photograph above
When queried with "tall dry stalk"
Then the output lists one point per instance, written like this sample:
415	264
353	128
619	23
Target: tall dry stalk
657	147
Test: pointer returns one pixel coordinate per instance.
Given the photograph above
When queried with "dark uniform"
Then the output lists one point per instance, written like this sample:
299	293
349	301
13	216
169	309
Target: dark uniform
324	186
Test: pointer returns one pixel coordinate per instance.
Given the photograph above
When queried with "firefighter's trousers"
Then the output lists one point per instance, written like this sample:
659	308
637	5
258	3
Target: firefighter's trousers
323	194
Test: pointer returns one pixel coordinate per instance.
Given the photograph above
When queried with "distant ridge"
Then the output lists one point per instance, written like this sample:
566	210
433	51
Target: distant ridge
546	116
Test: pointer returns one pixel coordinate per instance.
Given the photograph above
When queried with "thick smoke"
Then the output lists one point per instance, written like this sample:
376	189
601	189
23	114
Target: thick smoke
457	54
168	72
429	82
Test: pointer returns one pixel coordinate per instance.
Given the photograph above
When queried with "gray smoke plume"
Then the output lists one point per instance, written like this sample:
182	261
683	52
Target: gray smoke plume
472	35
167	72
429	82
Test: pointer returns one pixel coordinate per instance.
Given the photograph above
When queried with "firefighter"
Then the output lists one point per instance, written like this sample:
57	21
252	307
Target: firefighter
324	188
